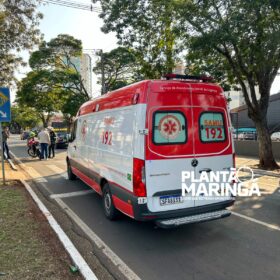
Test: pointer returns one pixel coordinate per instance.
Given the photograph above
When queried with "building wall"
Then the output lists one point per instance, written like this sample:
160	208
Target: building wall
240	119
86	72
236	97
250	148
84	67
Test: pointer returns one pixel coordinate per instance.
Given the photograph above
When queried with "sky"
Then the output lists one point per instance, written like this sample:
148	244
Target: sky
81	24
86	26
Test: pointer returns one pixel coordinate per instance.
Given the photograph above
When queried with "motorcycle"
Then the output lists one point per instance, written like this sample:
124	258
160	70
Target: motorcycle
33	148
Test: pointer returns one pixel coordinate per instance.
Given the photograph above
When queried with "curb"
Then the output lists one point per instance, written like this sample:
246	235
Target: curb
12	165
17	160
264	172
77	258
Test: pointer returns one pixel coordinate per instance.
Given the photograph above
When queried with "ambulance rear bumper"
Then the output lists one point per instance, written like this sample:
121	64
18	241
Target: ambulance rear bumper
198	218
184	216
139	211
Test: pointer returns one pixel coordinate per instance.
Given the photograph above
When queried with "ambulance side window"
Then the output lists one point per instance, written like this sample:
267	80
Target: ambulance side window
73	131
169	127
212	127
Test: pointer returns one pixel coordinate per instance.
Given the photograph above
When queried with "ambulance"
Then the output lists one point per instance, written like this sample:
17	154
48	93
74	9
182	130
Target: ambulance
131	146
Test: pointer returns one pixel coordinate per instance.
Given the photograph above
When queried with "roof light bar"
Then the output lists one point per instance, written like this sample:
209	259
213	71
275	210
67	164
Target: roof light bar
188	77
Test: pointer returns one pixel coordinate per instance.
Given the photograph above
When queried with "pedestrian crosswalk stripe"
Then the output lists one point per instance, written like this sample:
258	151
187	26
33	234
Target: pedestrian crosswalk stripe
58	170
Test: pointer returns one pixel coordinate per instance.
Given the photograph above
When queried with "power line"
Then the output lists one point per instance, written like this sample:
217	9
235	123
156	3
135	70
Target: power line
75	5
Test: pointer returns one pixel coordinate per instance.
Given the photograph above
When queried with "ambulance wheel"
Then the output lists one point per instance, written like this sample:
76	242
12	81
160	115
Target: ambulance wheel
71	175
110	211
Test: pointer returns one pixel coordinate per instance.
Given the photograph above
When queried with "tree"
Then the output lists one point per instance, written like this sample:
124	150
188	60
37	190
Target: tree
55	82
147	26
61	58
23	117
18	31
38	92
243	37
120	68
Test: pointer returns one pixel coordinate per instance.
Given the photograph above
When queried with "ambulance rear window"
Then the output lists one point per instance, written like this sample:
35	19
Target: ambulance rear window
212	127
169	127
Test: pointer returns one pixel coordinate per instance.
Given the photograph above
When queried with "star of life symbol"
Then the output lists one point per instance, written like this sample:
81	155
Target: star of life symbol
169	127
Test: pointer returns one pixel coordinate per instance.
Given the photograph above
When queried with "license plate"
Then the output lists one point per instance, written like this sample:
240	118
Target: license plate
170	199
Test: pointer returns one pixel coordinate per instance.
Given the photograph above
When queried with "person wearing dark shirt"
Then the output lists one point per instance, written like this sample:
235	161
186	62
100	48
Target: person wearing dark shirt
52	144
5	147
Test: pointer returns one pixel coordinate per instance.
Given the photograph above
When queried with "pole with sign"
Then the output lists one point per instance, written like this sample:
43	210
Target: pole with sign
5	116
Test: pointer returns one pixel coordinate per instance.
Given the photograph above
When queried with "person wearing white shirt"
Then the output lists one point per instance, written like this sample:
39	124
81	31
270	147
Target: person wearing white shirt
44	140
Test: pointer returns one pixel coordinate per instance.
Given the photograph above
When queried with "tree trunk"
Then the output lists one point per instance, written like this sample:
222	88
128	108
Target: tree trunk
266	157
44	121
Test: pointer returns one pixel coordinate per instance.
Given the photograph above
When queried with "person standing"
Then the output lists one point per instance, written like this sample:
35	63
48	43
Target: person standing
44	140
5	147
52	144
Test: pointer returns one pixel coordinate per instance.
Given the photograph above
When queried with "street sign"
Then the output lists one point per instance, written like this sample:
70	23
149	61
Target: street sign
5	105
5	116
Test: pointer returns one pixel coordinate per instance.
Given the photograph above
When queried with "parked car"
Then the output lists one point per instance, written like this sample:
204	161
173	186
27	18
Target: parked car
24	135
62	139
249	136
275	136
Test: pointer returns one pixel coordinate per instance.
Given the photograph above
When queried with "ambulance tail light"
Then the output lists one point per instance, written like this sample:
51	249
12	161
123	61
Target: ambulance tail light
233	160
139	178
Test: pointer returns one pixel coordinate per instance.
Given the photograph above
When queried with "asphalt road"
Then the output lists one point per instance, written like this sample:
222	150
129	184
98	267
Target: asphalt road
239	247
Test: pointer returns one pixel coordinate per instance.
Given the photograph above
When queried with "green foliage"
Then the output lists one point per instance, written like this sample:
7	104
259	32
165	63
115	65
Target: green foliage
239	41
147	26
120	68
18	31
23	116
38	91
55	83
58	58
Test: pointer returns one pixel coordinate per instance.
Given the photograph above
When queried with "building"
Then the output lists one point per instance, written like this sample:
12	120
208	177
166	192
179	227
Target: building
237	98
179	68
86	72
240	119
84	66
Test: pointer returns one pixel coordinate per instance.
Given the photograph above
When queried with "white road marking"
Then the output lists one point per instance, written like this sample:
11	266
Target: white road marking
58	170
67	243
116	260
17	145
271	226
71	194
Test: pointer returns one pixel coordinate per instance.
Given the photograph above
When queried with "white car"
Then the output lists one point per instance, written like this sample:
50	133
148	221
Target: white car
275	136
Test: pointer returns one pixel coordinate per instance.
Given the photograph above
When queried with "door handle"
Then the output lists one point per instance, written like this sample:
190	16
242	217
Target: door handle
208	170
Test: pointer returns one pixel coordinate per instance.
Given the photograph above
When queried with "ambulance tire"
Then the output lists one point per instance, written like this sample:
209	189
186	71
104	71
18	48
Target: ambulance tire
71	175
110	211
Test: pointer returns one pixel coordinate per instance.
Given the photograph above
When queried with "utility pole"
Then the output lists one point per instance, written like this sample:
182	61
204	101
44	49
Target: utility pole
103	89
2	155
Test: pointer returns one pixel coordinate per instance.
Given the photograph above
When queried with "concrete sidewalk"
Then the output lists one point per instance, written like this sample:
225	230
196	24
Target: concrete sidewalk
11	174
253	163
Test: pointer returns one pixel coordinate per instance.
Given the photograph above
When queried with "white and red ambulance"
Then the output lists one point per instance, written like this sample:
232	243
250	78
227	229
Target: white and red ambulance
132	144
